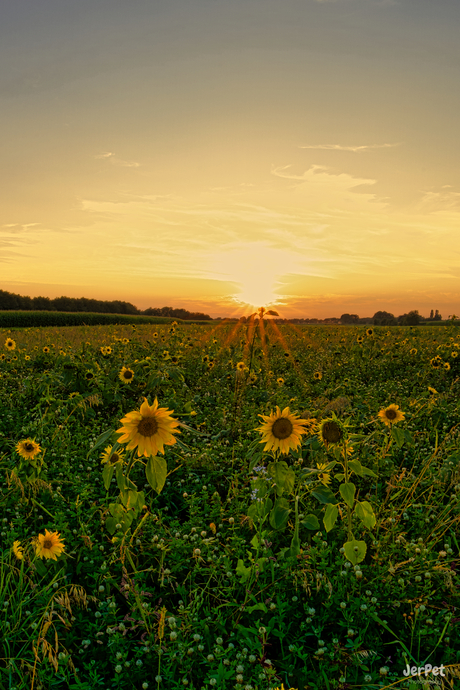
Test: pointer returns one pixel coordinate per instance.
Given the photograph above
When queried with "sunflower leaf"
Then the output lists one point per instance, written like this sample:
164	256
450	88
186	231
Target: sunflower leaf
279	514
107	473
103	438
156	471
330	516
347	491
311	522
358	555
324	495
365	513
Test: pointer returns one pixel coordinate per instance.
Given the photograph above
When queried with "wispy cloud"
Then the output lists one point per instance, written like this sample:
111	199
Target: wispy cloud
117	161
339	147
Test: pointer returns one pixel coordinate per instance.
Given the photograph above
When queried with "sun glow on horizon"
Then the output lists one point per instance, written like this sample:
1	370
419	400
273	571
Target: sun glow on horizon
256	269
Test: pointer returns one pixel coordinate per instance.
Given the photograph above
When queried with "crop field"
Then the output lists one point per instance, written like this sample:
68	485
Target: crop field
233	505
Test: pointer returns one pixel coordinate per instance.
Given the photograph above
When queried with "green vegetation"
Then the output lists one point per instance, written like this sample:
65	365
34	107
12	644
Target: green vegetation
328	559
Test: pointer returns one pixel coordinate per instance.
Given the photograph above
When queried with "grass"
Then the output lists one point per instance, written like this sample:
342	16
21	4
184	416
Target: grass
230	567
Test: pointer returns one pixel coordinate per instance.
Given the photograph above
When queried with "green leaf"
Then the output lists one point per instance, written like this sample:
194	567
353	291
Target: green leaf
156	471
107	473
295	543
116	510
347	491
356	466
358	555
242	570
399	436
339	476
368	473
129	498
365	513
279	514
330	516
311	522
324	495
257	607
101	440
110	523
255	541
283	476
119	475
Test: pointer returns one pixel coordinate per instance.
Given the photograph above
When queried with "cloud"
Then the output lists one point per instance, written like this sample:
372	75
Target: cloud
117	161
339	147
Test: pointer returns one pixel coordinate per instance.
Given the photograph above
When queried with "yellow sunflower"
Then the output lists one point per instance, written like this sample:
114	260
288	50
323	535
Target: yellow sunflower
28	449
18	550
10	344
446	366
103	351
454	354
370	332
111	457
317	376
324	477
391	415
126	375
280	381
436	362
49	545
413	351
155	336
148	429
46	350
240	366
281	430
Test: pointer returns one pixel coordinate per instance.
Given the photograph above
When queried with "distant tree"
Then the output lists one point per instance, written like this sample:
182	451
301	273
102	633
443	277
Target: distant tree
43	304
349	318
413	318
437	316
431	315
384	318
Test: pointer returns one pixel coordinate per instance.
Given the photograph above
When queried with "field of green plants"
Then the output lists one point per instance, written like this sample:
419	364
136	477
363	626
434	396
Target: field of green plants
250	506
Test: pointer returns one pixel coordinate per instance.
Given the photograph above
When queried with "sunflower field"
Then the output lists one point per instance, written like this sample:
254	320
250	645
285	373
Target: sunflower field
255	506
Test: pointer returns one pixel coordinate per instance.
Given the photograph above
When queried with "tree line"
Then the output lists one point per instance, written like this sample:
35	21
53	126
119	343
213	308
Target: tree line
10	301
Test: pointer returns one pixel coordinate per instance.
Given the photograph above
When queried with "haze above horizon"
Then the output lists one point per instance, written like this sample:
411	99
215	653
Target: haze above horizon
223	156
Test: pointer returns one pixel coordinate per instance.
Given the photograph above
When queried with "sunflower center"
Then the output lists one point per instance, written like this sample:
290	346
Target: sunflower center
282	428
148	426
114	458
28	447
47	544
331	432
390	414
128	374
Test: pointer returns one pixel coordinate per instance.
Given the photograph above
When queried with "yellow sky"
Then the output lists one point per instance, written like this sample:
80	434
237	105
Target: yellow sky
229	155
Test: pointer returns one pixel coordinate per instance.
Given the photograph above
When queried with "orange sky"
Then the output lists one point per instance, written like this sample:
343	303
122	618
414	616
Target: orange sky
224	155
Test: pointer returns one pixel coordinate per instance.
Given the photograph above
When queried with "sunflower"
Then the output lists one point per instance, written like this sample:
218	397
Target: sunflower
391	415
28	449
49	545
125	341
281	430
324	477
413	351
436	362
148	429
280	381
165	354
446	366
211	365
359	339
18	550
317	376
126	375
240	366
27	358
454	354
370	332
155	336
330	431
433	390
252	378
10	344
111	457
205	359
103	351
89	375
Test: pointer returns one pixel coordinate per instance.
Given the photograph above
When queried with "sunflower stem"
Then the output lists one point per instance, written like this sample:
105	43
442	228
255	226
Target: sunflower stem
36	503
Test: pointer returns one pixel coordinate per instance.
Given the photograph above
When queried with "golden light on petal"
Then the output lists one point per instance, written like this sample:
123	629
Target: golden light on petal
282	431
391	415
149	429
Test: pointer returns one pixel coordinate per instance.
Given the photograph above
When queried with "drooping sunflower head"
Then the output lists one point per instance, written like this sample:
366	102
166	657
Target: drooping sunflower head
126	375
28	449
111	456
281	431
330	431
391	415
49	545
149	429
